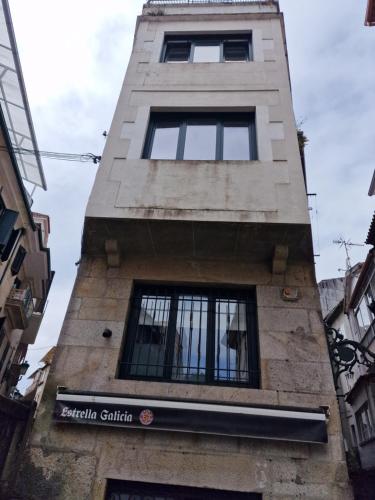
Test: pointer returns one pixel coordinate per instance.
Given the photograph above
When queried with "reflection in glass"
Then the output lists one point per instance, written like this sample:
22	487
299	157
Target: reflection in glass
189	362
200	143
236	143
177	52
231	361
150	342
207	53
164	145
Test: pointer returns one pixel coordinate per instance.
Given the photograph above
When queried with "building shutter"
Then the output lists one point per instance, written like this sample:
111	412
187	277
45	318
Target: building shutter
7	221
18	259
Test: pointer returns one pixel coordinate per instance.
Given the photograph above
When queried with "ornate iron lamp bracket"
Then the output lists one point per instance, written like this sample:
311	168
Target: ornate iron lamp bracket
345	354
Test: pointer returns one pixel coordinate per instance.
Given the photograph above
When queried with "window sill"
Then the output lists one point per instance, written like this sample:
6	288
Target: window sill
191	383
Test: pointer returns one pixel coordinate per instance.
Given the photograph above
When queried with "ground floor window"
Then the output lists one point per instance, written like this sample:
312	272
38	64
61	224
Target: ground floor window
192	335
129	490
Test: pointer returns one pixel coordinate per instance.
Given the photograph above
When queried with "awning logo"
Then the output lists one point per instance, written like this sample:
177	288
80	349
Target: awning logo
146	417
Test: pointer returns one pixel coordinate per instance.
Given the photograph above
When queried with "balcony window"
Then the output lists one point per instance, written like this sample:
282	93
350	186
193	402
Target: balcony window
207	48
365	425
7	220
18	260
201	136
192	335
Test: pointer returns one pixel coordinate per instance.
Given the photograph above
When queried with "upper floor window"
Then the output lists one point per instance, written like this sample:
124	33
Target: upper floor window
201	136
194	335
207	48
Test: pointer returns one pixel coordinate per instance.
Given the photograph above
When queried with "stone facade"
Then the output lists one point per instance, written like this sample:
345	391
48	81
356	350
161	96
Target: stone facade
295	372
218	223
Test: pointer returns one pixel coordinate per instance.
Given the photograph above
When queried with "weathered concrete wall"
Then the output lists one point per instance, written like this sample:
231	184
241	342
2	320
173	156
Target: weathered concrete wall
270	189
71	462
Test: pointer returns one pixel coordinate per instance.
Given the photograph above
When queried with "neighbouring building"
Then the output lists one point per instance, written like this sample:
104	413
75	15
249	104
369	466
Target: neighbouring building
350	310
25	269
192	362
35	390
353	317
370	13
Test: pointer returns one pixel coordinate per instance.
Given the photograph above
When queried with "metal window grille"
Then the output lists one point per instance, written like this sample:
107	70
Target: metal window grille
192	335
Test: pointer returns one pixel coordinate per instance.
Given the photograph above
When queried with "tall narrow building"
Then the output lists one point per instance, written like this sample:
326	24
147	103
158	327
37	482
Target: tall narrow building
192	362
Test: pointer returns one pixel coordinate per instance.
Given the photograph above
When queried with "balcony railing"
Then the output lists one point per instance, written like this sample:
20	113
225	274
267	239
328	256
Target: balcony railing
20	307
172	2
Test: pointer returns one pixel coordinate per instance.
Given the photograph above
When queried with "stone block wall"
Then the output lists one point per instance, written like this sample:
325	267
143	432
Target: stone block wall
69	462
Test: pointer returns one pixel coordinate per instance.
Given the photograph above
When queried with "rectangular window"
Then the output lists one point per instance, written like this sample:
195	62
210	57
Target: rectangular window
130	490
18	260
207	48
364	423
201	136
195	335
7	220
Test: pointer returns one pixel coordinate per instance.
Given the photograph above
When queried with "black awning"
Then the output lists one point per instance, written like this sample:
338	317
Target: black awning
274	423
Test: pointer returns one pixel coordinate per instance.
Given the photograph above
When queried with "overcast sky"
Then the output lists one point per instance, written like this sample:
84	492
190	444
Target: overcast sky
74	55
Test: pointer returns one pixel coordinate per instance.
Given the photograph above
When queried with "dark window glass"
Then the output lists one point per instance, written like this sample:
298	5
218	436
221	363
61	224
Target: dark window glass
236	51
7	220
203	336
206	53
177	52
236	143
200	142
10	245
164	144
201	136
129	490
207	48
18	260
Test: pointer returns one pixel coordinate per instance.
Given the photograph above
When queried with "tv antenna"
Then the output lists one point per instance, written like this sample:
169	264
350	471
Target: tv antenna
347	244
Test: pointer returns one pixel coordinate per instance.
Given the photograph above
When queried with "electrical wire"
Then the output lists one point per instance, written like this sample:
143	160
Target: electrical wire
39	348
85	157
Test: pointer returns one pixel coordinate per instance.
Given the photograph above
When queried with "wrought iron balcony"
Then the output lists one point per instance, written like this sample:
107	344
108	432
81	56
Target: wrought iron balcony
19	306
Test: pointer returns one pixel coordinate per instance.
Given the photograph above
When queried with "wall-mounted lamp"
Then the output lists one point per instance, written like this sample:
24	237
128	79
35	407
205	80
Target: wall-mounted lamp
107	333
